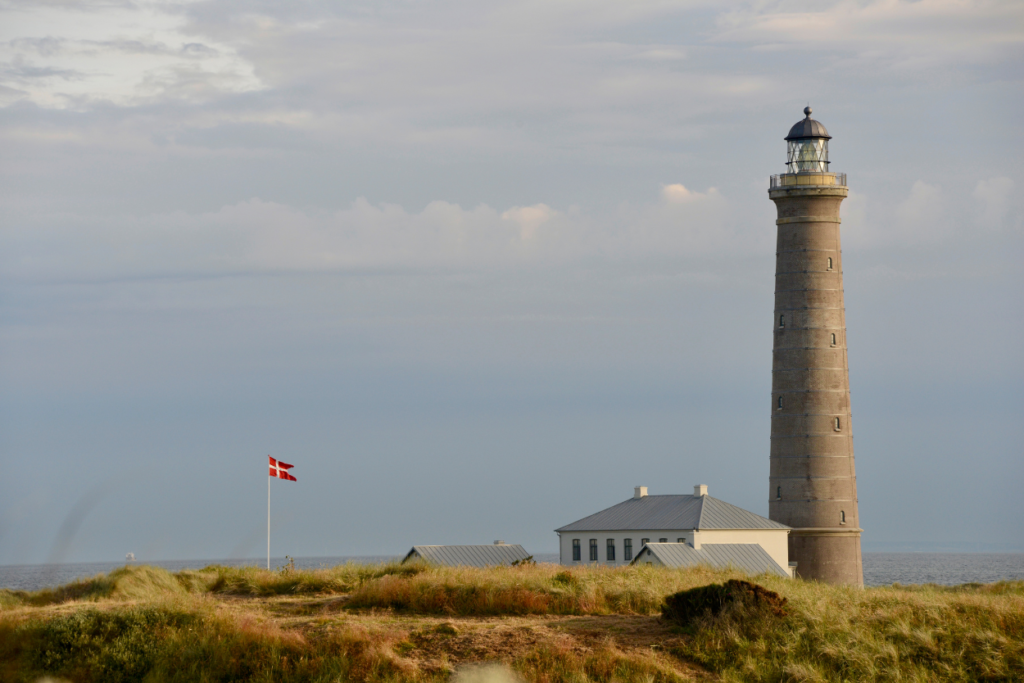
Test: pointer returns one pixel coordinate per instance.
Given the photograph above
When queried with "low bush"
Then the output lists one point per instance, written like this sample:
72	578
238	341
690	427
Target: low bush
736	596
101	645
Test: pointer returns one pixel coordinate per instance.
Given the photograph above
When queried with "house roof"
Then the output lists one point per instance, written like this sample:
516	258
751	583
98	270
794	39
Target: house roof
670	513
468	555
750	557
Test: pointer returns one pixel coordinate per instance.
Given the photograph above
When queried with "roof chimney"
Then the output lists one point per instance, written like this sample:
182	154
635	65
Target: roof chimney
499	543
639	492
700	490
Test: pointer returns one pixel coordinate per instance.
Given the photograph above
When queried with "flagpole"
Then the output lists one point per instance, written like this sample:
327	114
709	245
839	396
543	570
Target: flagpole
268	523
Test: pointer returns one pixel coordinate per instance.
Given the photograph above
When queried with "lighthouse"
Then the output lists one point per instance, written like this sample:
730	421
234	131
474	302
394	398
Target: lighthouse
813	484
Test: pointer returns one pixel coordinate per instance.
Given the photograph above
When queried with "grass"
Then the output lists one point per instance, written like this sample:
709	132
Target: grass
540	589
140	582
545	623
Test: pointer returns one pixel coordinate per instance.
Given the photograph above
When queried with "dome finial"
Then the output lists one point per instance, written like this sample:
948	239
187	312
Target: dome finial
807	111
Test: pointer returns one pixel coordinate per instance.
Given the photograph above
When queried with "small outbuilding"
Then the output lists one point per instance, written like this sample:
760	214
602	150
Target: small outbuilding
749	557
500	553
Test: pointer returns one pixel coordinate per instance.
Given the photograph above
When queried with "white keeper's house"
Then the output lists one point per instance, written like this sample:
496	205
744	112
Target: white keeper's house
715	533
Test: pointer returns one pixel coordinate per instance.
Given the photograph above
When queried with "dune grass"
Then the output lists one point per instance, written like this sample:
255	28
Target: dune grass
366	623
834	633
165	643
540	589
144	582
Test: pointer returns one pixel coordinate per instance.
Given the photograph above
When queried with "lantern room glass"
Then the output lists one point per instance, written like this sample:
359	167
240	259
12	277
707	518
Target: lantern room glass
808	155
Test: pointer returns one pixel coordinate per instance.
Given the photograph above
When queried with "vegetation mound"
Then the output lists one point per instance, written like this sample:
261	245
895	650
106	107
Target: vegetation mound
136	582
735	595
418	623
253	581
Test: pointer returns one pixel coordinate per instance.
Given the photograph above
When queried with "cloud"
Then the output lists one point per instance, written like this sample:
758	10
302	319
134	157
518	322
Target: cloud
929	215
900	34
73	56
529	219
262	236
678	194
995	195
923	208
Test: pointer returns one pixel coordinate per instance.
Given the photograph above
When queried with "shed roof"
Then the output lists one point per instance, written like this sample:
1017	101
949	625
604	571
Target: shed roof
672	512
468	555
750	557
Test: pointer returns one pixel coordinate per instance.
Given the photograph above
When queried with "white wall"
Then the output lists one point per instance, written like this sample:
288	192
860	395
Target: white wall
774	541
565	543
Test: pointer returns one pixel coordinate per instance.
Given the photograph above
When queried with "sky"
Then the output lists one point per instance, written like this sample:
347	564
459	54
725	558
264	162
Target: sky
479	269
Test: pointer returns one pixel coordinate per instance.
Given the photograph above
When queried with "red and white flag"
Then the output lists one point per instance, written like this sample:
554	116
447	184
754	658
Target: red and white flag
280	470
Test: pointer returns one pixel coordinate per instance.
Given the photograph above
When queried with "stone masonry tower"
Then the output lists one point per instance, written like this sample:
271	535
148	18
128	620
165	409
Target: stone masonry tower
813	483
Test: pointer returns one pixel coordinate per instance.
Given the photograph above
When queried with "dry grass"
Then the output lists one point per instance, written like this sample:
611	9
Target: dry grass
143	582
541	589
386	622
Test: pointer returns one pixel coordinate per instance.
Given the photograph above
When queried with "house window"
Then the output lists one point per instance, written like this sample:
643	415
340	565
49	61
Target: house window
575	550
778	404
627	549
842	516
680	540
839	425
778	493
830	263
593	550
782	321
643	542
610	550
833	339
662	540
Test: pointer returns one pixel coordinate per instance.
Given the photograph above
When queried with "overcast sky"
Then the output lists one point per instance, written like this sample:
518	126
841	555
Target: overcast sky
478	269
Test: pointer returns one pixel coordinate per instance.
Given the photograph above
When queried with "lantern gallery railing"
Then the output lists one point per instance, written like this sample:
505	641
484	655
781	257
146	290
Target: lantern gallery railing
802	179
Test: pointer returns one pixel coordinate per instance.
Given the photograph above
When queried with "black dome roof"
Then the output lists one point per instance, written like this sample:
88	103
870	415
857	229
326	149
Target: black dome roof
808	128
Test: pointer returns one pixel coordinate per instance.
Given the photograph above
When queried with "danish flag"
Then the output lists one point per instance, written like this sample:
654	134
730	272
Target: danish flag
280	470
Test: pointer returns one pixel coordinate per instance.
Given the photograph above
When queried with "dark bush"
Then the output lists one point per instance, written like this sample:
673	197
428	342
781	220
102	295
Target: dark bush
566	579
103	645
685	607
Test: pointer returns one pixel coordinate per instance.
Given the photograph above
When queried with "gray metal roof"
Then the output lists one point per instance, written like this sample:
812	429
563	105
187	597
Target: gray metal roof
674	512
750	557
807	128
468	555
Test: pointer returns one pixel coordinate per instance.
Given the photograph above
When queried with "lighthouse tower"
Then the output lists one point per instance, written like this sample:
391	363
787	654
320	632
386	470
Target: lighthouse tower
813	483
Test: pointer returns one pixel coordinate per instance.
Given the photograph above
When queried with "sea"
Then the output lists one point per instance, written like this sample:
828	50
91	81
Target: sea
880	569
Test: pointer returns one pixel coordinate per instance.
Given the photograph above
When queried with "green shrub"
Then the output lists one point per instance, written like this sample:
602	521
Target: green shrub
101	645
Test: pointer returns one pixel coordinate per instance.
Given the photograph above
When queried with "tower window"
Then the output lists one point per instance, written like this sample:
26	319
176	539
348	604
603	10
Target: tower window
575	550
842	516
782	321
593	550
839	425
830	263
833	339
778	404
778	493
